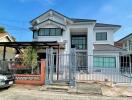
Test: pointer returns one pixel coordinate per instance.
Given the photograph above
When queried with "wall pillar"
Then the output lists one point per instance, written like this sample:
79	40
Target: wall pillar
72	67
68	41
4	53
43	66
90	47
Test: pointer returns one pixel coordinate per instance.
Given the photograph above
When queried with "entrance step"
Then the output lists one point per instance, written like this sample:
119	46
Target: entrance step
57	88
60	84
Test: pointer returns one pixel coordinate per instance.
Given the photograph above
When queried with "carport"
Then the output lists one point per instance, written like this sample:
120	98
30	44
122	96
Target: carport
34	79
20	45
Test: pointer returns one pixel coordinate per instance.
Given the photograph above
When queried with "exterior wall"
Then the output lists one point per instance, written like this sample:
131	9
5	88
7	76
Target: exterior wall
50	38
4	39
109	40
29	79
127	45
118	45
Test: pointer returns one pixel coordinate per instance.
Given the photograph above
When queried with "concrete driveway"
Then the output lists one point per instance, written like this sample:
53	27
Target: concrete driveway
27	93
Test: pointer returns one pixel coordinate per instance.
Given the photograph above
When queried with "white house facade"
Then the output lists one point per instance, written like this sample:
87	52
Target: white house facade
91	39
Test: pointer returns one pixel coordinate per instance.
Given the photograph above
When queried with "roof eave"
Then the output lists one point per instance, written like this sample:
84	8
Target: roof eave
122	39
49	11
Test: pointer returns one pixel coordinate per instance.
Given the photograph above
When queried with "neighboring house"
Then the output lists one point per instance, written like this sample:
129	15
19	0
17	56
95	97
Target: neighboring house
125	43
5	37
10	52
88	37
126	59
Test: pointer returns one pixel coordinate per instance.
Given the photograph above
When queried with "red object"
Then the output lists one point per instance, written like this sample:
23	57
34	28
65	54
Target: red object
33	82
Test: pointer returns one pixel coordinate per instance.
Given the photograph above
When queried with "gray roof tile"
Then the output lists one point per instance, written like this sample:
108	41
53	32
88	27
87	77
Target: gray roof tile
82	20
106	47
106	25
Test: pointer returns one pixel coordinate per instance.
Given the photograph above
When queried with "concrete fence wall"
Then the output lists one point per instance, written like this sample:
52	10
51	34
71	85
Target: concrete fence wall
30	79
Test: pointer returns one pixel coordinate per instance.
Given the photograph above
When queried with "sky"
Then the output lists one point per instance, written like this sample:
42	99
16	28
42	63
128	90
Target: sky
15	15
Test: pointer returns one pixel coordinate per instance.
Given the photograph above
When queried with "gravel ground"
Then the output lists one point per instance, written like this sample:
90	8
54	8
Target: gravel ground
27	93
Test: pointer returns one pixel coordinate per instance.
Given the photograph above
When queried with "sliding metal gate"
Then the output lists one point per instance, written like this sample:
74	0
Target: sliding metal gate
60	67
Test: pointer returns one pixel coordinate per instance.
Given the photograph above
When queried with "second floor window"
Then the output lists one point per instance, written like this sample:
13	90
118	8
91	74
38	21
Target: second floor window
35	34
130	45
80	42
101	36
50	32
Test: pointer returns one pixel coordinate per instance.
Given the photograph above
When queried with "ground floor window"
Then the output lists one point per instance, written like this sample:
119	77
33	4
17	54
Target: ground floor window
104	62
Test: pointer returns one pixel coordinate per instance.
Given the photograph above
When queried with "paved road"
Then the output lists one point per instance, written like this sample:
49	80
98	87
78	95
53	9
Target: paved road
16	93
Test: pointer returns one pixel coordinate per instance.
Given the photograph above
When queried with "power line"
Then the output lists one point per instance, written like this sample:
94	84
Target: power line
19	30
13	20
7	25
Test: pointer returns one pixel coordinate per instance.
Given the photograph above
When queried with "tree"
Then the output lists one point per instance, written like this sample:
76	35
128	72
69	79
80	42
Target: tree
30	57
2	30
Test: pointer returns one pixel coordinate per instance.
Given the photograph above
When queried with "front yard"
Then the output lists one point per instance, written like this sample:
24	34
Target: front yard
20	92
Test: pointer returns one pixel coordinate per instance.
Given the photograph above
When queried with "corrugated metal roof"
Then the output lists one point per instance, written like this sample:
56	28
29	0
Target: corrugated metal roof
106	47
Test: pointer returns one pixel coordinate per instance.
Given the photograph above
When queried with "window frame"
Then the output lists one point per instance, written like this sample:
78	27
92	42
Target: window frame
101	36
34	34
130	44
82	45
50	29
109	61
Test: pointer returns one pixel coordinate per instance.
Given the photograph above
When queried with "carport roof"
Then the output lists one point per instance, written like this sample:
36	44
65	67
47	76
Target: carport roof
25	44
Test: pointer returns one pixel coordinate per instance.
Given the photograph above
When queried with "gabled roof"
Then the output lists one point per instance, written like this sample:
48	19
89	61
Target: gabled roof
32	28
49	11
51	21
72	19
125	37
2	35
106	25
106	47
76	20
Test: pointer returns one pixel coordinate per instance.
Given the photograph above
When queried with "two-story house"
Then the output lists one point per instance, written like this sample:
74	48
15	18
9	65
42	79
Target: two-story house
93	40
126	44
